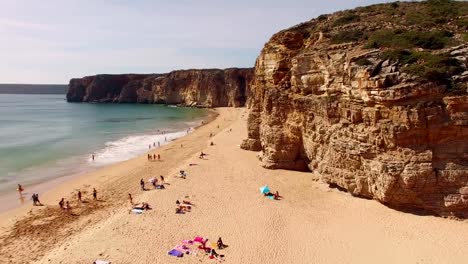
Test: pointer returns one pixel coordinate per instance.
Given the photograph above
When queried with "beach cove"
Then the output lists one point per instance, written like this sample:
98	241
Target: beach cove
311	224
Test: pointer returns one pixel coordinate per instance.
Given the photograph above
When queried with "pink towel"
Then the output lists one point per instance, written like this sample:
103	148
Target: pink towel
198	239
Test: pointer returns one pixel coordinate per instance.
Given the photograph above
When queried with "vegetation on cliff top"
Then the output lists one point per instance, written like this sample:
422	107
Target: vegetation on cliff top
413	33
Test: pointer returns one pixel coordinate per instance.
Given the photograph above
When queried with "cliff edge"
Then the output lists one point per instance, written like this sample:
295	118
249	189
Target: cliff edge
202	88
374	99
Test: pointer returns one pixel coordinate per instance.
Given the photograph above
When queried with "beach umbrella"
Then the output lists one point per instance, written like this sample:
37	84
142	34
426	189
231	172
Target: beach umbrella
265	189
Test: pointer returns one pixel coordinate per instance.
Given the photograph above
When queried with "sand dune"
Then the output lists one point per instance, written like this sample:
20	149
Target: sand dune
312	224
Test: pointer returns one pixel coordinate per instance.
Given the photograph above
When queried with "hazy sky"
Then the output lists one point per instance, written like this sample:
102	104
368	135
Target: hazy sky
51	41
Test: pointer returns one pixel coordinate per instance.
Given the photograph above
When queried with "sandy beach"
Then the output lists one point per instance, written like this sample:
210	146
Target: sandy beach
311	224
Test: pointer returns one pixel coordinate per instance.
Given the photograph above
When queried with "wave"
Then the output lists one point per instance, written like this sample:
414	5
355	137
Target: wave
132	146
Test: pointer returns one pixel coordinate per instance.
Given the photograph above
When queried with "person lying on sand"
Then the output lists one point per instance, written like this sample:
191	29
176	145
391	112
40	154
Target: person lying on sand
130	198
144	206
276	195
187	202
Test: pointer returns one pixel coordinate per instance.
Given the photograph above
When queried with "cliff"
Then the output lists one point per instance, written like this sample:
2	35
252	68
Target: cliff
373	101
203	88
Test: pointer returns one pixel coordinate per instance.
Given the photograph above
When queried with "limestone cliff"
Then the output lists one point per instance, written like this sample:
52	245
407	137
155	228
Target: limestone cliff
203	88
372	101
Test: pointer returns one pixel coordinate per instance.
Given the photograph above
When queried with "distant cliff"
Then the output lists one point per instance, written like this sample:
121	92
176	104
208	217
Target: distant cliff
202	88
373	99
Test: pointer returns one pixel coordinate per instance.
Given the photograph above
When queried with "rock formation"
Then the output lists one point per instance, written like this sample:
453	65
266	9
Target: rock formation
203	88
376	108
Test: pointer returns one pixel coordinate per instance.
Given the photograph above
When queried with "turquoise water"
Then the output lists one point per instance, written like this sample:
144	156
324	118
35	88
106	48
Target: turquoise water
44	137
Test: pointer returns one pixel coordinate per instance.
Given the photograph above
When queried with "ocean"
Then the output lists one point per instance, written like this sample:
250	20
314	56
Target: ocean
42	137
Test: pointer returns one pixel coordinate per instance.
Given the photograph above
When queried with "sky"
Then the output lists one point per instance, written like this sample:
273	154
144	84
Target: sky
52	41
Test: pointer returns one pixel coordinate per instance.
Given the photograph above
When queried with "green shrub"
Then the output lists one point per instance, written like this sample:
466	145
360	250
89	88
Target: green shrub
346	19
434	67
409	39
347	36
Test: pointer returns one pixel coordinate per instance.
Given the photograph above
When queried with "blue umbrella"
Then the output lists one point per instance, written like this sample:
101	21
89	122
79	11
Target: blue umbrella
265	189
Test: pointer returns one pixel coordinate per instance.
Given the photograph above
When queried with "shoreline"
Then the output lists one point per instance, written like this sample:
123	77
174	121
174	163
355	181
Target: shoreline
309	225
11	200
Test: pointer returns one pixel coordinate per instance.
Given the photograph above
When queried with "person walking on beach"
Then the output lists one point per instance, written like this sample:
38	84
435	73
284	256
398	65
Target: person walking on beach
142	184
33	197
130	198
154	144
149	156
92	157
159	157
20	189
154	156
149	146
61	203
94	194
79	196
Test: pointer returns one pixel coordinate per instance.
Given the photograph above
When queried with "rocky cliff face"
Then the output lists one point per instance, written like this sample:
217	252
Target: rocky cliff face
203	88
374	118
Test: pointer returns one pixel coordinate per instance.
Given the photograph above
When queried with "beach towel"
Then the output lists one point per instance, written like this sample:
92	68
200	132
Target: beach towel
199	239
101	262
190	242
137	211
175	253
271	197
182	248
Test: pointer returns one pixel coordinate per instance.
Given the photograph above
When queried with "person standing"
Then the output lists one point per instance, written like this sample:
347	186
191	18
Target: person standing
20	189
94	194
79	196
142	184
61	203
159	157
130	198
92	157
33	197
154	156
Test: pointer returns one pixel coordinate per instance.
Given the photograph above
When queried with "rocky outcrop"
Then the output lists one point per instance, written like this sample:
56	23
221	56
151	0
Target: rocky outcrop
203	88
365	121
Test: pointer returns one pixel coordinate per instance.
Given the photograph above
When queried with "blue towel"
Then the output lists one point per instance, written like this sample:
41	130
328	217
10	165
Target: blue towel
175	253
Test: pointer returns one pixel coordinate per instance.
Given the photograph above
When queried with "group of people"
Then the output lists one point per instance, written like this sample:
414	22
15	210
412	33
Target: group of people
154	157
65	205
154	181
185	206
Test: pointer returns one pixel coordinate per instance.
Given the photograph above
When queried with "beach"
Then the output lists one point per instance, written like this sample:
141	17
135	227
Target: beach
310	224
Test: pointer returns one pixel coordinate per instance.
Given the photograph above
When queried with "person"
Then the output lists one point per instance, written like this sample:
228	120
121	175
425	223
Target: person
162	179
154	182
201	155
92	157
154	144
94	194
144	206
149	146
159	157
149	156
20	189
165	139
159	144
154	156
79	196
142	185
68	208
37	199
211	144
211	134
220	243
62	201
130	198
33	197
187	202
